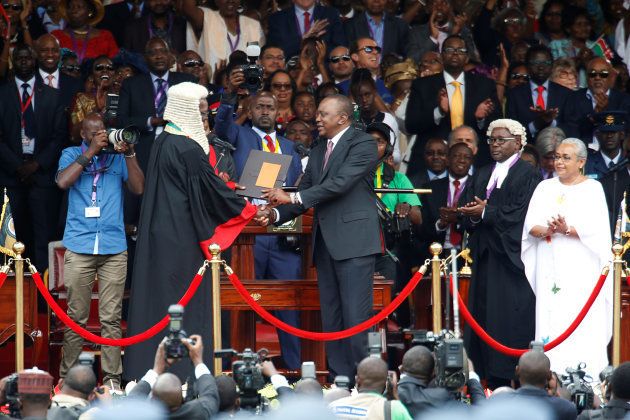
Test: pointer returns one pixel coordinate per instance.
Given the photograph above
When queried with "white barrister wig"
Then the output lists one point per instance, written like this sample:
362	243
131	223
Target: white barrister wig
182	109
514	127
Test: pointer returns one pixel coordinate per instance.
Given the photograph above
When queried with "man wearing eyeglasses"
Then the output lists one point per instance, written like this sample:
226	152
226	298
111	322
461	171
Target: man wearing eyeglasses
340	64
390	32
442	102
599	96
541	102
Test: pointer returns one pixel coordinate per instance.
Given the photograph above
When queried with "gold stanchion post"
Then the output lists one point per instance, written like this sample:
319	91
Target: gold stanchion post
215	264
436	287
617	272
18	248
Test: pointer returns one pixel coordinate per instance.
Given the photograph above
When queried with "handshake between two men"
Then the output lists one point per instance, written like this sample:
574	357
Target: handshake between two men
275	197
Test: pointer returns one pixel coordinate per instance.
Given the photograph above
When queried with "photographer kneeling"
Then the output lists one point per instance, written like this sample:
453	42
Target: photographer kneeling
167	388
414	387
95	237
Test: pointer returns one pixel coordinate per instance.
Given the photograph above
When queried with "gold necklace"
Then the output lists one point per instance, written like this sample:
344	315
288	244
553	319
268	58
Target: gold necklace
78	32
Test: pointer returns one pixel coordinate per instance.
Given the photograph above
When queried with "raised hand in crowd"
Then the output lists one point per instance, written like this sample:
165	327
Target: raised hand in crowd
443	101
459	22
601	100
544	117
160	363
194	344
434	31
318	29
320	48
484	109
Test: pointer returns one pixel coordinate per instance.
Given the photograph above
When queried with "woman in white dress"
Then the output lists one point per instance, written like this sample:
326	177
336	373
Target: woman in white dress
566	243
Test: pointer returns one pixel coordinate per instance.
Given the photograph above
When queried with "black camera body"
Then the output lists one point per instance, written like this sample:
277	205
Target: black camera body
12	396
449	358
253	74
582	394
174	348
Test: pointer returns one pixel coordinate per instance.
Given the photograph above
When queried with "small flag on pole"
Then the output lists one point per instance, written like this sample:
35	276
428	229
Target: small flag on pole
601	48
7	228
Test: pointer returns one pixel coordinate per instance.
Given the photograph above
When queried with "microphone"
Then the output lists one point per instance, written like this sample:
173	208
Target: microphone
302	150
619	165
215	141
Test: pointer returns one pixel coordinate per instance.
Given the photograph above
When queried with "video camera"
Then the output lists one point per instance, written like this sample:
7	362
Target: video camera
249	378
582	394
449	358
396	229
252	72
174	348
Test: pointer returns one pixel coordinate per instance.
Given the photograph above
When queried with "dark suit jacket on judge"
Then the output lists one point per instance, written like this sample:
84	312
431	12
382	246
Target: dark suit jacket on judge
136	105
50	134
423	100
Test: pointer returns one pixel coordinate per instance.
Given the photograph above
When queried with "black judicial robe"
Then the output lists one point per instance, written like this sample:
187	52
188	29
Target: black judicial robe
185	208
500	297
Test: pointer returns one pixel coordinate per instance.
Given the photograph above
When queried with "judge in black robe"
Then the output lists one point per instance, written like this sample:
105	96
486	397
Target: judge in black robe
500	297
186	207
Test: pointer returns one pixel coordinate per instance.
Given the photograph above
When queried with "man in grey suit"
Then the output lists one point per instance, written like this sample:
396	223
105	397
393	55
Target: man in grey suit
442	23
338	183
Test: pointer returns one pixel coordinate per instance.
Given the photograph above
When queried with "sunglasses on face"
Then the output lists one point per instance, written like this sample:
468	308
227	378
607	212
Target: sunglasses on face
193	63
15	7
71	68
519	76
603	74
513	21
281	86
370	49
451	50
103	67
337	58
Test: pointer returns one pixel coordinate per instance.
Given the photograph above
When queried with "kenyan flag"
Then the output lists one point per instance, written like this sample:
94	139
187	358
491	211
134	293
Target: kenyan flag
601	49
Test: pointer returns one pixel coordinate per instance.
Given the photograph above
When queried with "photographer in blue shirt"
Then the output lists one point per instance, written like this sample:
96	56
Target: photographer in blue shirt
95	237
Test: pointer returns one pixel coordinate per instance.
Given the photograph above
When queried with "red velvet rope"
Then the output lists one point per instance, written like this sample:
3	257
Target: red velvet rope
121	342
327	336
3	277
518	352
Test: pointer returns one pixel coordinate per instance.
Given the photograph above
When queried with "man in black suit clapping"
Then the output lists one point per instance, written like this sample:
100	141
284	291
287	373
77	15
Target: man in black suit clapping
338	183
439	103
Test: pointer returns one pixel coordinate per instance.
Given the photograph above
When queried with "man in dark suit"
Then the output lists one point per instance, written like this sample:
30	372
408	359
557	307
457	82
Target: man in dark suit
166	388
442	23
599	96
435	157
534	372
305	19
338	183
500	297
119	17
610	132
441	102
48	57
158	20
389	32
143	97
32	134
539	103
273	257
443	223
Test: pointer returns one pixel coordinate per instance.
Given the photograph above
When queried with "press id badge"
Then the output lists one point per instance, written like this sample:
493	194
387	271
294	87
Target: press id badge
92	211
28	144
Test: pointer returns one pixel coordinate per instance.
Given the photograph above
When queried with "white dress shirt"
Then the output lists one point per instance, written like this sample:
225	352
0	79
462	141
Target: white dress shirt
31	87
55	80
501	170
299	15
614	160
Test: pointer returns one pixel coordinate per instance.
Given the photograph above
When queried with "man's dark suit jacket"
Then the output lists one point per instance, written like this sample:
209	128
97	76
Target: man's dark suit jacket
614	194
68	87
579	109
395	32
136	36
245	139
118	19
202	408
420	41
595	165
418	397
439	198
136	105
284	30
519	100
50	135
423	100
563	409
343	197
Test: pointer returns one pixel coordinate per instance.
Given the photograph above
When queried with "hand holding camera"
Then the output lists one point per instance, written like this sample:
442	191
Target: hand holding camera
194	344
98	143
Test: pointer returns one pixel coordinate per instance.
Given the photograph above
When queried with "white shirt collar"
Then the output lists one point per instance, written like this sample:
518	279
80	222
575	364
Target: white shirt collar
349	15
155	77
433	176
462	180
448	78
501	170
534	86
45	74
301	11
262	134
31	84
607	160
335	139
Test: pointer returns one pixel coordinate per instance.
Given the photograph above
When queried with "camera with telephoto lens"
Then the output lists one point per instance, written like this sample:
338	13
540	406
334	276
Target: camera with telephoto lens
12	397
174	348
582	394
249	378
117	136
252	72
